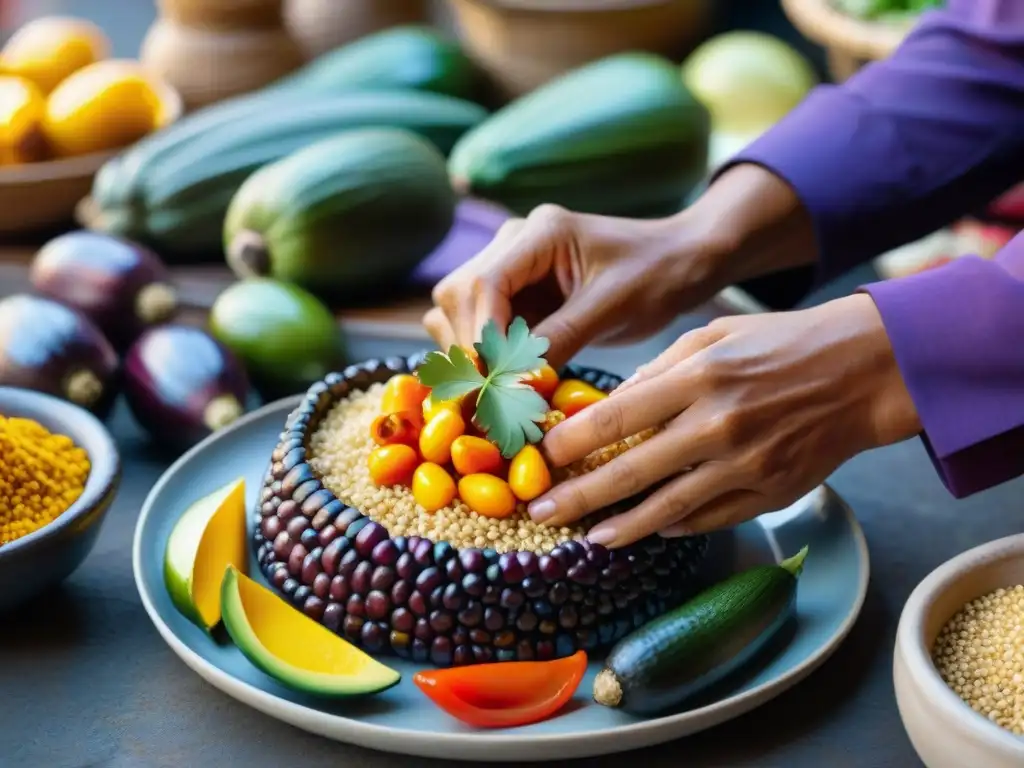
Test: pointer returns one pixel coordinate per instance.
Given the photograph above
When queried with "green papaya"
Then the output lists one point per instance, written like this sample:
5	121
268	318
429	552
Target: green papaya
400	58
178	205
343	217
621	136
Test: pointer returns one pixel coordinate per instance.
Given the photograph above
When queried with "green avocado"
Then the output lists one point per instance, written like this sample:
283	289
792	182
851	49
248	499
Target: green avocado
292	648
345	217
286	338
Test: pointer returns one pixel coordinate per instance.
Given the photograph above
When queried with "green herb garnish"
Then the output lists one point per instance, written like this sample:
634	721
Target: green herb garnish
506	409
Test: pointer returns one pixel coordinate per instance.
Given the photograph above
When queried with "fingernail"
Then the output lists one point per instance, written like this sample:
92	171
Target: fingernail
541	510
601	535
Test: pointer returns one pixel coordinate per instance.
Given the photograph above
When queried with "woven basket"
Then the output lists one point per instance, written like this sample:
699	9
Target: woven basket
850	42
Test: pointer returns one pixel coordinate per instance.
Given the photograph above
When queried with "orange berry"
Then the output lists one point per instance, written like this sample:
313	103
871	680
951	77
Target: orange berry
438	435
471	455
392	464
487	495
573	395
544	380
528	475
395	428
403	394
432	407
432	487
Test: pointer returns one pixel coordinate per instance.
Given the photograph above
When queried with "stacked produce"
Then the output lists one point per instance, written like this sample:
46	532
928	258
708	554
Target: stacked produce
101	322
394	553
622	136
58	90
173	190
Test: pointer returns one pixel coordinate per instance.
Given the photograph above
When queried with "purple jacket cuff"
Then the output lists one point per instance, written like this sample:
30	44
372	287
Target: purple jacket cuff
955	332
910	143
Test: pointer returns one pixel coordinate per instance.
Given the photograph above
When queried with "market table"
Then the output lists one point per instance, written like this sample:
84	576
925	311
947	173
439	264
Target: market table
85	680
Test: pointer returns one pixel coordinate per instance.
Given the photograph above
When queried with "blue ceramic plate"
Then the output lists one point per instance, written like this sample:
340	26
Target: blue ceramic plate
402	720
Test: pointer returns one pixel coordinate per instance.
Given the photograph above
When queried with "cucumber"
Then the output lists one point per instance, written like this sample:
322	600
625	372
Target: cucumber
694	646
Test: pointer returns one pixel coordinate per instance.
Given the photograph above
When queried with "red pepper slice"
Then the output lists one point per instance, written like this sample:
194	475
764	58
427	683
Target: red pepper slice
504	694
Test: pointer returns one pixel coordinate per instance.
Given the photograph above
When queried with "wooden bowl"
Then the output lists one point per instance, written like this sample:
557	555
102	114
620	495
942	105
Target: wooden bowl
849	42
32	564
35	196
522	44
944	730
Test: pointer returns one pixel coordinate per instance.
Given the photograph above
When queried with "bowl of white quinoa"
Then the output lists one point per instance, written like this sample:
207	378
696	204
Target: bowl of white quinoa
958	666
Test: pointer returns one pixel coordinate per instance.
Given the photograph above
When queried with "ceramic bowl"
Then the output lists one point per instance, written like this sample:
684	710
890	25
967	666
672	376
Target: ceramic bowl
944	730
35	196
47	556
522	44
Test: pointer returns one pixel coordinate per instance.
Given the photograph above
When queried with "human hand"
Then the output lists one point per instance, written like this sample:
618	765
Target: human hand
757	411
578	278
575	278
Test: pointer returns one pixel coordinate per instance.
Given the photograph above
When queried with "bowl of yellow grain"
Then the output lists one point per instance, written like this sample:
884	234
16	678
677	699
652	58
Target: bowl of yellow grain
958	666
59	473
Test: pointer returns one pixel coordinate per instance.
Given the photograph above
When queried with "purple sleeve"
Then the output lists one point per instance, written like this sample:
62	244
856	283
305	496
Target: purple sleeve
910	143
957	335
899	150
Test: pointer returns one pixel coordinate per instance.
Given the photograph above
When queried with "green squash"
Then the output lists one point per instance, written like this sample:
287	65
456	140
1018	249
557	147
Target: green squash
344	217
621	136
178	200
401	57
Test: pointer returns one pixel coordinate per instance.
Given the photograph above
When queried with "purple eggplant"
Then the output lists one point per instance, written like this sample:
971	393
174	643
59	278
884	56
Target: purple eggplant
122	287
182	384
51	348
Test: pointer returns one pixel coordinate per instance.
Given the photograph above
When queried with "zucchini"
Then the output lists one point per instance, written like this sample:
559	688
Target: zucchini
344	217
178	205
401	58
621	136
696	645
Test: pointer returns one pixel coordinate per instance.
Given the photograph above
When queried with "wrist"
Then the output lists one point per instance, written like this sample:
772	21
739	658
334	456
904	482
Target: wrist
748	223
889	413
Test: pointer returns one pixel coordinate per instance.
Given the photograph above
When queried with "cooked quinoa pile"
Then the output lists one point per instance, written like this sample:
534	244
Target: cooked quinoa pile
980	655
341	445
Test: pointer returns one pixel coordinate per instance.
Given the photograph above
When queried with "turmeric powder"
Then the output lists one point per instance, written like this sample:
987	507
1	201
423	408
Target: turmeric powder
41	476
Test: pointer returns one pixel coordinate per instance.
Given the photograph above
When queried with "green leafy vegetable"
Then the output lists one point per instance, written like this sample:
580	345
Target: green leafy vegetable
506	409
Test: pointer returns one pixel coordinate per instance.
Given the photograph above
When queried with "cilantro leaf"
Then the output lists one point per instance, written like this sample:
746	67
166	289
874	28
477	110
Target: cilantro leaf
450	376
506	409
508	413
518	351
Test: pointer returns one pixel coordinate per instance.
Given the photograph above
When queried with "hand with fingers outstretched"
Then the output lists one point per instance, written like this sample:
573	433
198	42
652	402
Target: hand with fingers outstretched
754	411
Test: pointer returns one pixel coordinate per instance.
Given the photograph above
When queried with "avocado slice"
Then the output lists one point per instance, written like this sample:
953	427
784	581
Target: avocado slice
208	537
292	648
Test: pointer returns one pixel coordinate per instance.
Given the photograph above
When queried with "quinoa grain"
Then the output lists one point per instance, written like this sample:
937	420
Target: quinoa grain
341	445
980	655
